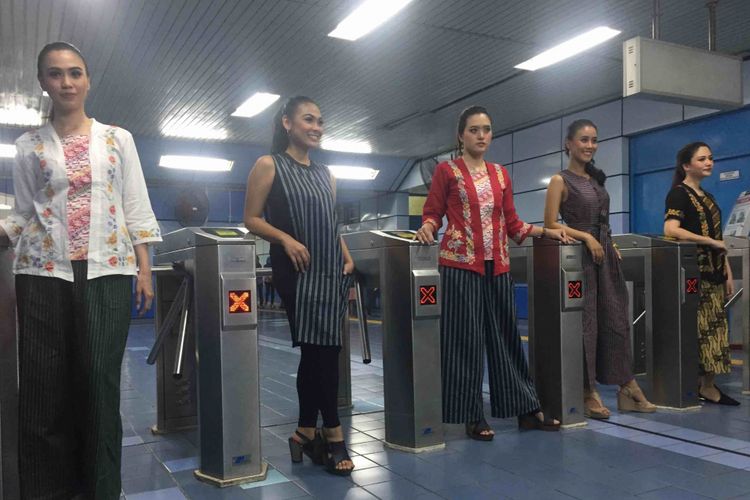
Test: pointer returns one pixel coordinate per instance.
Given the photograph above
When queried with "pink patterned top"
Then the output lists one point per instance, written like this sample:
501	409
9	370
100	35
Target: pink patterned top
78	168
486	206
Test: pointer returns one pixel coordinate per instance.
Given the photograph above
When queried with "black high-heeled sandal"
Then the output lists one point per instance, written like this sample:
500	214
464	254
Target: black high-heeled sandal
474	430
335	454
313	448
723	398
530	422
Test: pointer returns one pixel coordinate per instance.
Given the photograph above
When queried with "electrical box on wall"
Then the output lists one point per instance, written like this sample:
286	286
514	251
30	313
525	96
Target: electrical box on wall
663	71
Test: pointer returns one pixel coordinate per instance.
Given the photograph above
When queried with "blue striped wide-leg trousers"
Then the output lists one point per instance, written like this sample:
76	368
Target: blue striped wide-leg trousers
478	312
71	343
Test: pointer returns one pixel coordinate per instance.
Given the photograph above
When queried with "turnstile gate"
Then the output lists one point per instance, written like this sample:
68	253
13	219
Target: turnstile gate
9	488
667	272
738	306
216	304
407	274
556	293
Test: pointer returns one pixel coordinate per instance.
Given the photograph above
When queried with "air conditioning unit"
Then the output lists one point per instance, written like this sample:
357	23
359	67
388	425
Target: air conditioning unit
668	72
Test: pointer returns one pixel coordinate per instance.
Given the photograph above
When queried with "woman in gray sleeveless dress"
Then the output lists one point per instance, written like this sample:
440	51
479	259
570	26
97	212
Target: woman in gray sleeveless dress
311	271
578	195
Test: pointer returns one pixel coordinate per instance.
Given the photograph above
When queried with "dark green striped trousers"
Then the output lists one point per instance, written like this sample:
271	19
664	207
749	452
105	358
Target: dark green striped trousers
479	314
71	343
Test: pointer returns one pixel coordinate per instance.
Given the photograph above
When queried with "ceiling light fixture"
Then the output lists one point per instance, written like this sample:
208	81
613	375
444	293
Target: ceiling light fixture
200	163
353	173
367	17
569	48
20	116
7	151
194	132
347	146
256	104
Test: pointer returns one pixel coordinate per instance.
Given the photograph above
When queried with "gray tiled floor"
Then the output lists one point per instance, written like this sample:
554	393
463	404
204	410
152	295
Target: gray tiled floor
700	454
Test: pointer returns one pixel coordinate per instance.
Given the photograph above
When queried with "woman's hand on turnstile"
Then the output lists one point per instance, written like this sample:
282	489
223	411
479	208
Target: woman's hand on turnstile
297	253
558	234
348	265
597	252
425	234
144	292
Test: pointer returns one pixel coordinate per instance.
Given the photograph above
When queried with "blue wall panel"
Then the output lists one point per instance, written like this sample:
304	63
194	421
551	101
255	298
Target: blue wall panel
652	161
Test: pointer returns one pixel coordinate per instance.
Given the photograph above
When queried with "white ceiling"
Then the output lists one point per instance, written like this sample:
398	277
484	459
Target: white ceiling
192	62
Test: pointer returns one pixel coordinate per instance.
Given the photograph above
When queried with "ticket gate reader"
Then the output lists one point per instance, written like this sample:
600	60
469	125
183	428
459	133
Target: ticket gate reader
738	306
407	274
522	272
9	487
216	304
557	344
668	273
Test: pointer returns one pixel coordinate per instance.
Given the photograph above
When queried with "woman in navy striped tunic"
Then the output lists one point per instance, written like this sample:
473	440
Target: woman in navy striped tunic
478	301
311	271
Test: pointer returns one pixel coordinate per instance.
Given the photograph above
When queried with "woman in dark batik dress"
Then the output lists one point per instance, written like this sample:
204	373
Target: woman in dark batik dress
692	214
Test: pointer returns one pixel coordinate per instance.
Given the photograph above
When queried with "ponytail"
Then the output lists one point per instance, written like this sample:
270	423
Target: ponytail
597	173
280	139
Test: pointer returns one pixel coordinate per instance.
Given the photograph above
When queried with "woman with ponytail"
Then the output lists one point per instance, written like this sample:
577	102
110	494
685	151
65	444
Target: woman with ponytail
692	214
578	195
311	271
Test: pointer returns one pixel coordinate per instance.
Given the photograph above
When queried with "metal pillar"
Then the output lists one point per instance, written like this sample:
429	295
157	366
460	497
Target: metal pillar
557	342
9	488
738	307
219	269
406	272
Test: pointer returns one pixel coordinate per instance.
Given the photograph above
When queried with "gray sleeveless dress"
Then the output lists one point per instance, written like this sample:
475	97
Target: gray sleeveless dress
300	203
606	328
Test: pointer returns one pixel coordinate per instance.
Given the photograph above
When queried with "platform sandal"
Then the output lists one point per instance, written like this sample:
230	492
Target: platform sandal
313	448
626	401
474	430
336	453
602	413
530	422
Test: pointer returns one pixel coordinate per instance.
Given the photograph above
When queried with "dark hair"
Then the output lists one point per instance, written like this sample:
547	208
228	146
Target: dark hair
684	156
280	140
51	47
590	168
463	118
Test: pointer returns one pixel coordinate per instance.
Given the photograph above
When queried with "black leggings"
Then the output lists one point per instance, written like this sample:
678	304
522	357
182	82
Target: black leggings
318	385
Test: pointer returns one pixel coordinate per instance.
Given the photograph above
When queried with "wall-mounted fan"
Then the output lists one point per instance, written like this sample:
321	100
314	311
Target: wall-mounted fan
191	207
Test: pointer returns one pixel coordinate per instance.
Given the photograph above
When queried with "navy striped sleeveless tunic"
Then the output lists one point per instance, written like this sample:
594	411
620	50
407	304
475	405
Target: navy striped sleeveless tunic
301	204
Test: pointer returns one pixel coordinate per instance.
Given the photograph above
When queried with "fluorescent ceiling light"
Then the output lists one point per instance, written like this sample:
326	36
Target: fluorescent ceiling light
367	17
355	173
7	151
20	115
194	132
347	146
257	103
202	163
570	48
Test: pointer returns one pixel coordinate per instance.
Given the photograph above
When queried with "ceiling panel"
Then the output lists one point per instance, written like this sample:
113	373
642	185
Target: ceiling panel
179	63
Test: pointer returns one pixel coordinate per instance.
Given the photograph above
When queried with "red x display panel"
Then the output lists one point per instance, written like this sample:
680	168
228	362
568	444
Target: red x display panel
428	295
575	289
691	285
239	301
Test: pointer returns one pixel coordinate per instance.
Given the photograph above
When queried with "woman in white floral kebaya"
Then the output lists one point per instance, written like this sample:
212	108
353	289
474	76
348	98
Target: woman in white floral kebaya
81	221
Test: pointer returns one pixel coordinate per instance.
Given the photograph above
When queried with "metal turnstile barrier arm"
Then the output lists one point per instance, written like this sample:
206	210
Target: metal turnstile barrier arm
180	308
362	318
733	298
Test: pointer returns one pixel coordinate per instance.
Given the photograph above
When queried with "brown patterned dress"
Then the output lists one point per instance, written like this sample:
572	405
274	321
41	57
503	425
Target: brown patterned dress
606	328
700	214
